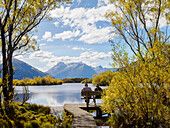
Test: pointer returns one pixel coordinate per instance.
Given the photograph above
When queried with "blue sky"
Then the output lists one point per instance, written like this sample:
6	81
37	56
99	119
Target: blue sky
78	32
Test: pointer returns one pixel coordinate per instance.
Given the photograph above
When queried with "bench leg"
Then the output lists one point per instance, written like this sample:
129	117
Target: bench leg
87	103
94	100
98	113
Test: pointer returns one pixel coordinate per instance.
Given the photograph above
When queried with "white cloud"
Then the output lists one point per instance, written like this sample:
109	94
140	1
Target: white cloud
34	37
96	36
66	35
83	20
42	44
42	55
162	22
47	36
102	2
56	24
79	1
49	40
78	48
20	57
88	57
95	55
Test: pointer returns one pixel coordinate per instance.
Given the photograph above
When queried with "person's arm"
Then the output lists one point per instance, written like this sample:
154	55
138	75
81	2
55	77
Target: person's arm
82	90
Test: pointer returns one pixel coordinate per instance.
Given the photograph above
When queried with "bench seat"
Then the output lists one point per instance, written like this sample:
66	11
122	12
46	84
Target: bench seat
90	95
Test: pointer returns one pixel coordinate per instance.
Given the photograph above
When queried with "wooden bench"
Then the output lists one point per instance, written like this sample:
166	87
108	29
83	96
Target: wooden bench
87	95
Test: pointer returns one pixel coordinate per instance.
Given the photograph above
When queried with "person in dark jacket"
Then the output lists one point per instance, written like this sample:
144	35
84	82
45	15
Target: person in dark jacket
98	88
86	89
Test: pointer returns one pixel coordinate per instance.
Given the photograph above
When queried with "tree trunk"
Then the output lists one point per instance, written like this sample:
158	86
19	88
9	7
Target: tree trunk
5	76
5	67
11	73
1	109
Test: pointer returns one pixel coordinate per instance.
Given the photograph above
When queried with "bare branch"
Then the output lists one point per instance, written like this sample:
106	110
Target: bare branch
157	20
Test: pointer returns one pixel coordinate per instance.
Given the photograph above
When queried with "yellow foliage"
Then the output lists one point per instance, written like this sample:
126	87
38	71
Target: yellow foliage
139	94
103	79
47	80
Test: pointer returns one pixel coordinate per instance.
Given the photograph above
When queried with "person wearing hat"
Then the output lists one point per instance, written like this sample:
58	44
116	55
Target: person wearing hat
86	89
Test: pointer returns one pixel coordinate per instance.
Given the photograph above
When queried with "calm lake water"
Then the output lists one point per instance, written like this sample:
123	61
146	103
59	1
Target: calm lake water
55	95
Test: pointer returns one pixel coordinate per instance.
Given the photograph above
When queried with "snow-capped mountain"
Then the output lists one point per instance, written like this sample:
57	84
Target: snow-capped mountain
71	70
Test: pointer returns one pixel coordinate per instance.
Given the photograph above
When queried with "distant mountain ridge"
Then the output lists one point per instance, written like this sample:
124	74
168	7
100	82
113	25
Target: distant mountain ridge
71	70
75	70
61	70
23	70
99	69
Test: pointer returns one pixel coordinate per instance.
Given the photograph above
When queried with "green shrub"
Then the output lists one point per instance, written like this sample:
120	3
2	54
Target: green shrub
73	80
45	110
64	121
33	116
86	81
34	124
27	125
3	123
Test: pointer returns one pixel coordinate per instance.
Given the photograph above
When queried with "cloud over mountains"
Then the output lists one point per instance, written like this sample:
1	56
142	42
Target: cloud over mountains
85	57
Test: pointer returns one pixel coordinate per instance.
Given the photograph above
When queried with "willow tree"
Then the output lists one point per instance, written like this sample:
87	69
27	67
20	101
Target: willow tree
138	95
18	18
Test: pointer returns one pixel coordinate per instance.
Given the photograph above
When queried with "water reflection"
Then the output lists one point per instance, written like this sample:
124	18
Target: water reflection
56	95
55	99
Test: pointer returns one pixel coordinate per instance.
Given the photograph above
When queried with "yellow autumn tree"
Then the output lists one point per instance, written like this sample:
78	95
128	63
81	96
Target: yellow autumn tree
18	20
103	79
138	95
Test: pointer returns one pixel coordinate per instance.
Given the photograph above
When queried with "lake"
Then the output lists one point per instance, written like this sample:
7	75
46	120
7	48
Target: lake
55	95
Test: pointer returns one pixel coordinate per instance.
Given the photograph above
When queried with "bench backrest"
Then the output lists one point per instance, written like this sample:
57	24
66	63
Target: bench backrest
91	93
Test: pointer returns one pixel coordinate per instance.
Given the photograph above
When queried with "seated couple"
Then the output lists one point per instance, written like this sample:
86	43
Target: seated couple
86	88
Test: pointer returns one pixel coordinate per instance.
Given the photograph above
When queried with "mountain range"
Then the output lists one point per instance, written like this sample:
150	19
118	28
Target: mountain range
23	70
100	69
75	70
61	70
71	70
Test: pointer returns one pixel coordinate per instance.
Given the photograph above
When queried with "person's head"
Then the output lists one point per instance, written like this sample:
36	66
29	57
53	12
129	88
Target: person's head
86	84
97	85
